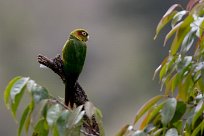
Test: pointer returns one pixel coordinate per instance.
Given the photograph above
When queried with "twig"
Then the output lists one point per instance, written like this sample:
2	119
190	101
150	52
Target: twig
87	134
59	102
94	126
56	65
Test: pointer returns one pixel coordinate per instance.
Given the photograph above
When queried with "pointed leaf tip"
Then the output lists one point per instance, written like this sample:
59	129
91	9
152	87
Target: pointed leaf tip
166	18
123	130
147	106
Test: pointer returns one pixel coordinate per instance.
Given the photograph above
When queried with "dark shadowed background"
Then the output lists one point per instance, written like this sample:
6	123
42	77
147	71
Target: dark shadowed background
121	57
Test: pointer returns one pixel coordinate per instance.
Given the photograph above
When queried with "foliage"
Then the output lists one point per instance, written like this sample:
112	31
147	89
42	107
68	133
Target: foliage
180	110
54	118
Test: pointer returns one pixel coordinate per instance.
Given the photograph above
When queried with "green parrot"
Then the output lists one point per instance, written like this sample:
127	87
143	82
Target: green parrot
73	57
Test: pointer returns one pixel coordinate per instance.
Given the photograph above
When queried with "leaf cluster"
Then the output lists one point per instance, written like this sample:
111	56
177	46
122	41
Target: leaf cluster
179	111
54	117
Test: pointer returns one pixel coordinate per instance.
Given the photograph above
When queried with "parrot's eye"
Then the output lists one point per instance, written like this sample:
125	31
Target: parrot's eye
84	33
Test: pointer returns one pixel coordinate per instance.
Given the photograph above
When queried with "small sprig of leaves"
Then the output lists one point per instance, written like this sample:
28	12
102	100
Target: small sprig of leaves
55	117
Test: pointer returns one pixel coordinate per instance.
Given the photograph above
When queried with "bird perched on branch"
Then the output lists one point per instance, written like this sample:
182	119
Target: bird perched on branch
73	57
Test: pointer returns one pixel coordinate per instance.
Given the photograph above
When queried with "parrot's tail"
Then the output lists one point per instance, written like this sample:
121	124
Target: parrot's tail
69	92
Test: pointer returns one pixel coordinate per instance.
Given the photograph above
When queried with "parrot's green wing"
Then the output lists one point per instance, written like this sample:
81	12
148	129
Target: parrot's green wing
74	54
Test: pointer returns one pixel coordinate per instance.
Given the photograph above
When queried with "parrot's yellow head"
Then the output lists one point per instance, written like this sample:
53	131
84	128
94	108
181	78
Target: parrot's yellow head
80	34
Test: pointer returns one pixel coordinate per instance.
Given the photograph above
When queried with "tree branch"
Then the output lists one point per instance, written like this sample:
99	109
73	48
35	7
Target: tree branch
80	97
56	65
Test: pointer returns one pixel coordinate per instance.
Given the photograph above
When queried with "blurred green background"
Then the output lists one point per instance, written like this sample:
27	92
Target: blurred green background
121	57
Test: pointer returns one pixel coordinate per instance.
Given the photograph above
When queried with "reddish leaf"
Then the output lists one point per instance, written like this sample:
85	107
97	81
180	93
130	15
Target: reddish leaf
191	4
173	30
166	18
123	130
147	106
151	115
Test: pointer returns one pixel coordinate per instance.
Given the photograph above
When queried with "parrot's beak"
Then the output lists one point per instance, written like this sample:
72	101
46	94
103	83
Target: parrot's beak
87	37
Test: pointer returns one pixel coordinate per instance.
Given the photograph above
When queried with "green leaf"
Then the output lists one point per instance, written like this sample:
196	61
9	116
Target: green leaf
123	130
201	81
180	110
189	117
75	117
28	119
45	108
146	120
175	81
41	128
172	132
166	18
74	131
172	32
53	114
157	120
198	129
61	122
8	90
149	129
184	88
65	123
168	68
161	66
23	119
18	87
158	132
198	67
178	16
74	122
98	116
156	71
183	64
168	111
163	71
16	93
196	25
179	126
202	129
147	106
98	113
38	92
55	131
201	29
155	112
187	42
180	34
198	112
